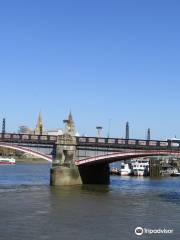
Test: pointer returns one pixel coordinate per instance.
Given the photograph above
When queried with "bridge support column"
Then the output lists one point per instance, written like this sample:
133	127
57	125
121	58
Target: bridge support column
62	175
95	174
64	171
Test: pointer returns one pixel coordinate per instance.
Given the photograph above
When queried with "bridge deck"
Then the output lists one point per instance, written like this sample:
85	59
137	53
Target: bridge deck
94	142
117	143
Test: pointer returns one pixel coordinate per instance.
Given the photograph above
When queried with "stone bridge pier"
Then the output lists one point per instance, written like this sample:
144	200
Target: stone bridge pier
63	170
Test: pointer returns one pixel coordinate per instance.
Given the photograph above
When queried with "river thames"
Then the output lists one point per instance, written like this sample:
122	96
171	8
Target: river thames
32	210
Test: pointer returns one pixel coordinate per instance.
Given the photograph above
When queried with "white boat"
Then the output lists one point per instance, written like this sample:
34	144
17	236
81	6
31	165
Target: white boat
177	174
125	169
140	167
7	161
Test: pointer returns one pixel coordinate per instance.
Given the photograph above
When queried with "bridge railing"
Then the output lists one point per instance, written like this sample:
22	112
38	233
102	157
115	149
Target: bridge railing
127	143
94	141
13	137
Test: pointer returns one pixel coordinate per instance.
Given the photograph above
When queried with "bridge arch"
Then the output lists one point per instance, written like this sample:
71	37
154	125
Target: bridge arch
117	156
27	150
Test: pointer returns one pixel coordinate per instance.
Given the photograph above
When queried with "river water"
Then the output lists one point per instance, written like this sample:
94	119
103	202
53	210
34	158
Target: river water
32	210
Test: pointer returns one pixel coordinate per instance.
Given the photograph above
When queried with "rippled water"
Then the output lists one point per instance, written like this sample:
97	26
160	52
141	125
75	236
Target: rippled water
31	209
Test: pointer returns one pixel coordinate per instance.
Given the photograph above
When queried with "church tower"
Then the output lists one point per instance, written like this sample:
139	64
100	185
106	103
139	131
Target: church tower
39	125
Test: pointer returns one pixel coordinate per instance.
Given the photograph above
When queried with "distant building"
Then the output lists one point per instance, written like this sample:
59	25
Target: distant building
25	130
39	126
39	130
56	132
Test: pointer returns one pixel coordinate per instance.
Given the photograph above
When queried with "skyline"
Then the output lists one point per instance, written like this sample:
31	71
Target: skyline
102	60
127	129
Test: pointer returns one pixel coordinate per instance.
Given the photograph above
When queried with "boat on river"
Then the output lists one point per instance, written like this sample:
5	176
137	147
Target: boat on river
7	161
115	171
140	167
125	169
175	174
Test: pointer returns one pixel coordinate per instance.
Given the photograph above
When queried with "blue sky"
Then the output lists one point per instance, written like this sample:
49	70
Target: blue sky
117	60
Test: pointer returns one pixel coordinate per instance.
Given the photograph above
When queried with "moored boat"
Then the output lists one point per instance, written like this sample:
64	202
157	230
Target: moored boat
177	174
125	169
115	171
140	167
7	161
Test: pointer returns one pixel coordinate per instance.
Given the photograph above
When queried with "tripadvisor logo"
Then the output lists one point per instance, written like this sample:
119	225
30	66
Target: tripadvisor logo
139	231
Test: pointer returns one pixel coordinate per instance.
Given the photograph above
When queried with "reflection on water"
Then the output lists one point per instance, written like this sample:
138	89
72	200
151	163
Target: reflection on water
31	209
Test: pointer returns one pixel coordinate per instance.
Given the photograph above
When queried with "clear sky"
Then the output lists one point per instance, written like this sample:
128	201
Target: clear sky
102	59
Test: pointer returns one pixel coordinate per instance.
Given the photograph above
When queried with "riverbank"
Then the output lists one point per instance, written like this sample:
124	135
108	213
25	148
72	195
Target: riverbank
31	160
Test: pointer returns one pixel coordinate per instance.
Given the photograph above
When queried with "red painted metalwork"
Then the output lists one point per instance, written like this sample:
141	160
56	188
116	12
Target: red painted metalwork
117	156
26	150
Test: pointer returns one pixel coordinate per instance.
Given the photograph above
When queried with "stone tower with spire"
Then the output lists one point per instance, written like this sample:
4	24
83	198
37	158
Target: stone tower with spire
39	125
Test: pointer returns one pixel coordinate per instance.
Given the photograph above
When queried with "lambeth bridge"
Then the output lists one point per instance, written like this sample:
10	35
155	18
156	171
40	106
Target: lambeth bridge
85	160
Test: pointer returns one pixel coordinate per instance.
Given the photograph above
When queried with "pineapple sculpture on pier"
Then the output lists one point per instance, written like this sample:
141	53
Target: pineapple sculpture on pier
66	143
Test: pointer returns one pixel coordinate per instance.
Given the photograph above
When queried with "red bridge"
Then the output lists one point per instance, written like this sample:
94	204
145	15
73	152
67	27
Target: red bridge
91	155
118	156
